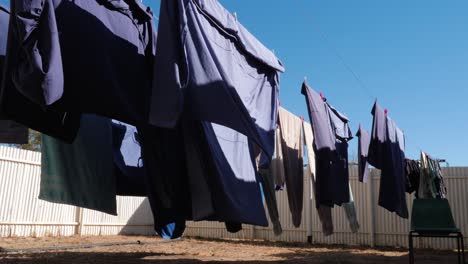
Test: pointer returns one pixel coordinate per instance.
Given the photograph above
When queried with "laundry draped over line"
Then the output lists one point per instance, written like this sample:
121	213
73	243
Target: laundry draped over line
324	211
413	173
214	58
331	135
10	132
199	163
363	150
100	79
190	119
431	181
277	164
292	148
387	153
329	132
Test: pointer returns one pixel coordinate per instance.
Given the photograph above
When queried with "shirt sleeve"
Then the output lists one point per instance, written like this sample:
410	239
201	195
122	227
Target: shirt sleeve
38	71
169	66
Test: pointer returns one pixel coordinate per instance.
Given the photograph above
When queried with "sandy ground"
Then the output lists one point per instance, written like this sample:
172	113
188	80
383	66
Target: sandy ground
192	251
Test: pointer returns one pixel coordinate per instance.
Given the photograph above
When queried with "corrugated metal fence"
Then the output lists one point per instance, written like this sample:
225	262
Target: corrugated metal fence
22	214
378	226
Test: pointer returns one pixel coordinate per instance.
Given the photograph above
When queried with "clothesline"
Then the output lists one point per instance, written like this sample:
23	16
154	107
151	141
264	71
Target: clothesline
199	136
334	50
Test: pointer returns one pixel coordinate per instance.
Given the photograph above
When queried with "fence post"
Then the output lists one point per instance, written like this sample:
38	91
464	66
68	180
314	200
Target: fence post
252	234
309	204
370	205
79	220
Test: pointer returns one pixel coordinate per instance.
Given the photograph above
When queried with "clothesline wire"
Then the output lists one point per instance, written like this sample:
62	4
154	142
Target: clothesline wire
335	51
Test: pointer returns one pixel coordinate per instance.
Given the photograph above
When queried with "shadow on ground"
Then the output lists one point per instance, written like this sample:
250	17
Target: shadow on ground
295	256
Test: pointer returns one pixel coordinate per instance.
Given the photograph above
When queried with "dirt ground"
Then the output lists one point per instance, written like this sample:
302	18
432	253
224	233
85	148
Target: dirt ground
193	251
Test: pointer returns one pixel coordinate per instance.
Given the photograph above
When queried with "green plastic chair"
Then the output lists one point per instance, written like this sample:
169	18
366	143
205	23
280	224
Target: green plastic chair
433	218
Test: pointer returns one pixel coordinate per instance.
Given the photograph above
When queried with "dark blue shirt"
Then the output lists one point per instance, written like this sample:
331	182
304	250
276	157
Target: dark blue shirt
387	153
211	68
10	132
69	57
363	150
331	135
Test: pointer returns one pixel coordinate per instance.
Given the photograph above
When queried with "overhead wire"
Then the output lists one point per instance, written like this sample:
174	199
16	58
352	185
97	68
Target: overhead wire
360	83
335	51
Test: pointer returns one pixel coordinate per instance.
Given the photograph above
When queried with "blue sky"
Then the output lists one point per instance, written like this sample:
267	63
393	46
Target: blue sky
411	55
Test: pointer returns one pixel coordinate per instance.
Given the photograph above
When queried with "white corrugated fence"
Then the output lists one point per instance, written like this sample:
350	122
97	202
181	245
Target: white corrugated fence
23	214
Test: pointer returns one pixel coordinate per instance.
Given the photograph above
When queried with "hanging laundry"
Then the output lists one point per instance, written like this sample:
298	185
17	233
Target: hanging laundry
220	72
103	161
129	170
10	132
202	171
431	181
233	227
325	217
268	187
350	211
116	41
363	150
13	104
324	211
277	164
81	173
331	135
387	153
292	146
132	178
413	172
235	187
166	178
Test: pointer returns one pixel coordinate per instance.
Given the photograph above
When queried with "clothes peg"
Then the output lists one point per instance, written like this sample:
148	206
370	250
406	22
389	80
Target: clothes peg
321	95
302	118
386	111
235	15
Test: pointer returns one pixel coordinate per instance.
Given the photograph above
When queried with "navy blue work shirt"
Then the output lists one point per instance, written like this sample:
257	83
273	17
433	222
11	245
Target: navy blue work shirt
387	153
331	135
10	132
211	68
